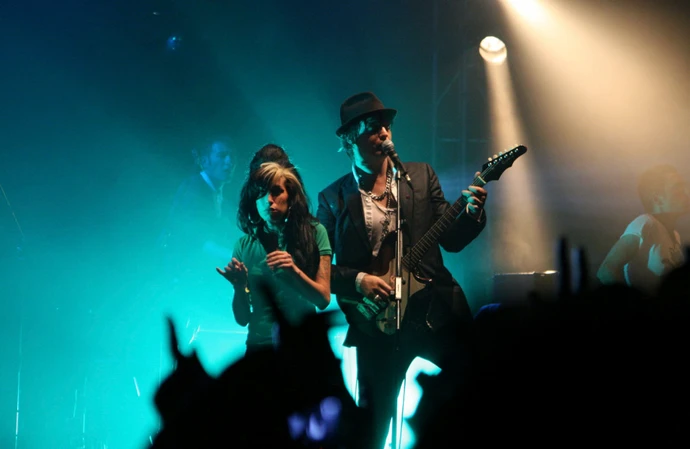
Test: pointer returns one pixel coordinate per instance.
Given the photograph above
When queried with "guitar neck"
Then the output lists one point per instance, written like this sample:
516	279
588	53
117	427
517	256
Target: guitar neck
431	237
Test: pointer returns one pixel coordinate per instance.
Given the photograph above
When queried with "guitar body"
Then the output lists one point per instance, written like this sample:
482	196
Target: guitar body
383	266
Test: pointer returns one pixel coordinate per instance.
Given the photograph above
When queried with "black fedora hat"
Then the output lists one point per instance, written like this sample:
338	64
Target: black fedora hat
360	106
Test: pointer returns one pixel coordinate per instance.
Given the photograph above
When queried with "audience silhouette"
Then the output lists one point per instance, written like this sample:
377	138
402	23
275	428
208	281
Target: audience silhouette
590	365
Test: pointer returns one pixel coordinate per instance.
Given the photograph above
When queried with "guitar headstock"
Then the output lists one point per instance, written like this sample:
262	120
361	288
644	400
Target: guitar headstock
492	170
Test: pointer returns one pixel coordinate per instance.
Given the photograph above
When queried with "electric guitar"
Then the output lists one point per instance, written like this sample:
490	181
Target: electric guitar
384	311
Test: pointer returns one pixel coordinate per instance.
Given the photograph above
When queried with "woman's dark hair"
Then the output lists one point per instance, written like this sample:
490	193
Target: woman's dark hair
267	153
298	232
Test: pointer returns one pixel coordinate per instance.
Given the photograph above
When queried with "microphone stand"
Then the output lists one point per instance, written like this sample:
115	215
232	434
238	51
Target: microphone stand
398	289
20	256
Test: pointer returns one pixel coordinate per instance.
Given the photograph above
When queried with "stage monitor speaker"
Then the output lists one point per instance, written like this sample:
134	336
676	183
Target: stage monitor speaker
518	287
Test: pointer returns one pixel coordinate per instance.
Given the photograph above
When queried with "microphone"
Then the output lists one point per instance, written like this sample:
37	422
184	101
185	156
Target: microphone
389	150
270	242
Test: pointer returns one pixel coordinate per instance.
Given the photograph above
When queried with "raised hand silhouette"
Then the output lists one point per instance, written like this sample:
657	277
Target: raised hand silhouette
182	388
289	395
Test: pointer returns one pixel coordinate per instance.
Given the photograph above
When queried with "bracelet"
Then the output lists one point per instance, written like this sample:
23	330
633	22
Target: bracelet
246	288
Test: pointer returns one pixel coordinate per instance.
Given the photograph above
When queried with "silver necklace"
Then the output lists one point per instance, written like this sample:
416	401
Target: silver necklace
389	177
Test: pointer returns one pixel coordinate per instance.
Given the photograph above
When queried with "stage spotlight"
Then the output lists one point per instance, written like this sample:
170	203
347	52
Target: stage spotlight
531	10
493	50
173	43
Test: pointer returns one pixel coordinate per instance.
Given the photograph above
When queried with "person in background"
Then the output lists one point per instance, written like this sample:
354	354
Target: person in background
650	247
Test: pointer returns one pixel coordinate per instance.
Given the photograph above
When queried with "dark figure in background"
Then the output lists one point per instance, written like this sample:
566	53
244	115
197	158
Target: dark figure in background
199	219
359	213
198	236
650	246
285	251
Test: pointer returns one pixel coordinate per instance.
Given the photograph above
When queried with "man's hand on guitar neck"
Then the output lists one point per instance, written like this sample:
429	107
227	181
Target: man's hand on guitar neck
475	197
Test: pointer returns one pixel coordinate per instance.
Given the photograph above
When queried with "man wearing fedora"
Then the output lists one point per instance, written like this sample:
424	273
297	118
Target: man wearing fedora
359	212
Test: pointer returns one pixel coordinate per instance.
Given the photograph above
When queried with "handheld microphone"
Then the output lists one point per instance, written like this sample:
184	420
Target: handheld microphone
389	150
269	240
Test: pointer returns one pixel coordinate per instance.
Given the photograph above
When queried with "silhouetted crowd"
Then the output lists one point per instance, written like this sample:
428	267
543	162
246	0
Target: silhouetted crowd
599	365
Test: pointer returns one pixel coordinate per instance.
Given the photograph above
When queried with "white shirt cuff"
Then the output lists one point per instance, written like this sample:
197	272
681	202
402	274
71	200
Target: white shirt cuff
358	281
